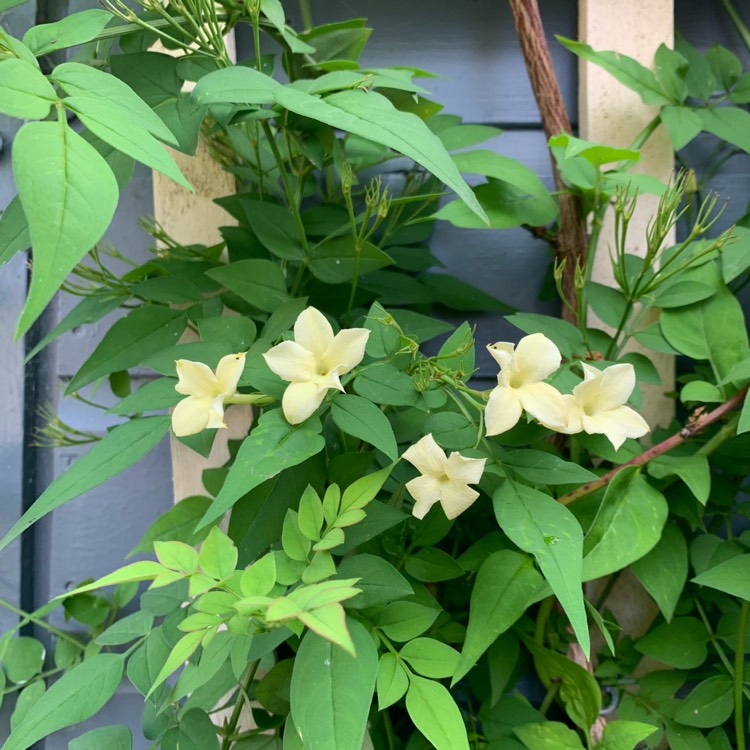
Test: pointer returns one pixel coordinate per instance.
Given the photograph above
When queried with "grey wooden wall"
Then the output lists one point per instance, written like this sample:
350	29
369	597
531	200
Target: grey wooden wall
472	45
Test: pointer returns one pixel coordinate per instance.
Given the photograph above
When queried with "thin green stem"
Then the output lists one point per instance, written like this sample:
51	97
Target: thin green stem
31	617
744	32
243	687
306	13
739	675
645	134
542	617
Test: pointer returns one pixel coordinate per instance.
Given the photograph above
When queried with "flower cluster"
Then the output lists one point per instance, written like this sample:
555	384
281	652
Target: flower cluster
315	360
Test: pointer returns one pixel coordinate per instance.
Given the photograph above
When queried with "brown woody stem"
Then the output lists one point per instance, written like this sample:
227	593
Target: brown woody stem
571	240
697	423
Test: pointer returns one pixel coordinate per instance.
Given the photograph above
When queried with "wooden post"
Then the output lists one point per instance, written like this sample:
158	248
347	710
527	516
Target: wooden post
614	115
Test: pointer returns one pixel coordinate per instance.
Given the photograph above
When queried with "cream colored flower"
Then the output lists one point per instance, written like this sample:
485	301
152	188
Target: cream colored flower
313	362
523	367
443	480
597	405
206	392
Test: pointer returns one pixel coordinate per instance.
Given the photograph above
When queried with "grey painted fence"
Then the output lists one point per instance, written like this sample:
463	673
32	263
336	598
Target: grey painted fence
472	46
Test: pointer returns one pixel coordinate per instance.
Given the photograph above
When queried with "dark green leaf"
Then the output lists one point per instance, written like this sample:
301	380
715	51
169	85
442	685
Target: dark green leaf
545	468
14	231
680	643
259	282
360	418
709	704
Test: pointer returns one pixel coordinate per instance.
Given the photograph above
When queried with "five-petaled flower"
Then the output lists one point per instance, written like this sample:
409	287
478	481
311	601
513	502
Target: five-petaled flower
523	368
597	405
314	361
206	393
443	479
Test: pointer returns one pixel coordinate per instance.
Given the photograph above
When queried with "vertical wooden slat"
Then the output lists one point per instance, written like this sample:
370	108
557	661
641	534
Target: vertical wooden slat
614	115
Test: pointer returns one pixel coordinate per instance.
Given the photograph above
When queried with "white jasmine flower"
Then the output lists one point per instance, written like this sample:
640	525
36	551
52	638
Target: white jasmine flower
313	362
443	480
206	392
522	370
597	405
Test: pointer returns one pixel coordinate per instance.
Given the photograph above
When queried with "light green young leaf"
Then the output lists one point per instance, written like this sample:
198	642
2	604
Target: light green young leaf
144	331
329	622
23	658
361	491
76	28
75	697
731	576
392	681
335	713
218	555
360	418
310	518
145	570
430	658
693	470
182	650
502	591
628	524
625	735
435	713
272	446
120	448
538	524
260	577
69	195
14	231
24	91
176	556
295	544
548	735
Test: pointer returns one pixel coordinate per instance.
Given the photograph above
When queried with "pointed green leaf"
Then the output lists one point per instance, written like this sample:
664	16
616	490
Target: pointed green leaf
75	697
434	712
272	446
76	28
115	737
548	530
120	448
392	681
731	576
14	231
69	195
502	591
24	91
335	713
360	418
218	555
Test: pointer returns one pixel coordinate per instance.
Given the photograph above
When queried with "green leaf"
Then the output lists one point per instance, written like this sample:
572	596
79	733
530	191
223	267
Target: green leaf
541	467
503	590
730	576
295	544
579	691
274	226
336	261
463	136
115	737
392	681
434	712
218	555
335	713
14	231
384	384
431	564
124	106
127	136
628	524
548	530
75	697
142	332
177	524
625	69
731	124
182	650
459	295
127	629
89	310
709	704
120	448
548	735
76	28
430	658
195	732
693	470
379	581
682	123
713	329
139	571
259	282
69	195
272	446
625	735
23	658
310	514
24	91
361	419
403	621
680	643
369	115
153	395
663	571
